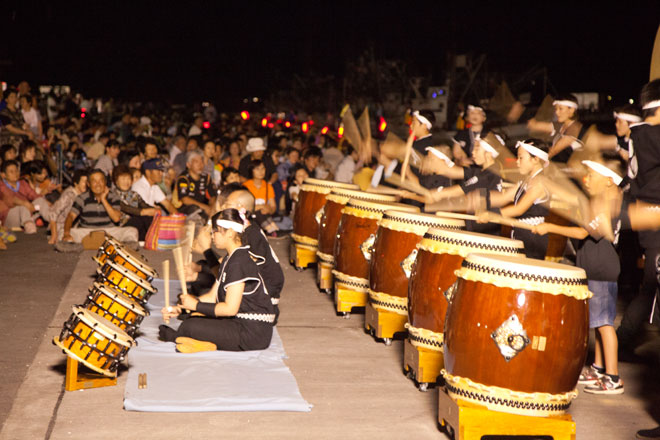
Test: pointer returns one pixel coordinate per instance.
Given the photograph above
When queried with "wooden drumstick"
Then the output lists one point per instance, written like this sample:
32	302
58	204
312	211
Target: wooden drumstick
166	275
406	160
178	261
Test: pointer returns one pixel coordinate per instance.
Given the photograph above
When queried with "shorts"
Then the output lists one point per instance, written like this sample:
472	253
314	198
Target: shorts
602	306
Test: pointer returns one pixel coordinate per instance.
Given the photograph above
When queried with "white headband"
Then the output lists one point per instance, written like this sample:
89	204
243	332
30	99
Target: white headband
228	224
627	117
441	155
423	120
652	104
488	147
474	107
603	171
566	103
534	151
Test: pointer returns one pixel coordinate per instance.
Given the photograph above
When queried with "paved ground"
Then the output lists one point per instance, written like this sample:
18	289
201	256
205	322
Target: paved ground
354	383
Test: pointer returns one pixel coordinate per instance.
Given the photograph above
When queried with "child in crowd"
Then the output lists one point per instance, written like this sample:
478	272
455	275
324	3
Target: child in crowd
134	211
61	207
20	194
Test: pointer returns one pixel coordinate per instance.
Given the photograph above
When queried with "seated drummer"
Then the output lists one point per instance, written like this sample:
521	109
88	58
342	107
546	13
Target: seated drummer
237	197
237	313
484	175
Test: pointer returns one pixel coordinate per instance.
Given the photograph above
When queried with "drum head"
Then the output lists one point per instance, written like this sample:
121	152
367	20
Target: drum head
103	326
324	186
421	219
122	299
133	277
456	242
526	273
381	207
136	260
342	196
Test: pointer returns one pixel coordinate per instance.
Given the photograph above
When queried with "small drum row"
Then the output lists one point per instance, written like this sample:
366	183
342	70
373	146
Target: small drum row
100	332
510	332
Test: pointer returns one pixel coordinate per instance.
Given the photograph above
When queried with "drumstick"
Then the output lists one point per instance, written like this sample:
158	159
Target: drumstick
394	179
166	274
178	261
406	160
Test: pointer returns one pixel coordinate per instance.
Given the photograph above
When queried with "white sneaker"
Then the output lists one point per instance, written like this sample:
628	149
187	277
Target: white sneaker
30	228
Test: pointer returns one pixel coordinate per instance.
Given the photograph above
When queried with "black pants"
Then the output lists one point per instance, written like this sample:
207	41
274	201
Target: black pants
230	334
141	223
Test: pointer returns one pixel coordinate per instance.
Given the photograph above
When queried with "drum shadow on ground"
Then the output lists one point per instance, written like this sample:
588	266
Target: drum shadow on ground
60	368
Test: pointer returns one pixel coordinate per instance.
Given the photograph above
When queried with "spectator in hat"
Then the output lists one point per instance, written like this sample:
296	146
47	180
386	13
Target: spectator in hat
147	185
256	151
108	161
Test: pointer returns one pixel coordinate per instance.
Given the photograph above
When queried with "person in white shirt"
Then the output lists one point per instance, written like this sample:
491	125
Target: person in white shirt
347	166
196	128
108	161
31	116
147	186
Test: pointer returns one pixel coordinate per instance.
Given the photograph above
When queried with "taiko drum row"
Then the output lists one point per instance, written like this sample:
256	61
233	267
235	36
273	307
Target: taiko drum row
100	332
505	332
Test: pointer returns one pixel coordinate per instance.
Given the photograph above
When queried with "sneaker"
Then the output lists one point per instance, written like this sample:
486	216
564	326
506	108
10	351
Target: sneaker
649	433
589	376
30	228
605	386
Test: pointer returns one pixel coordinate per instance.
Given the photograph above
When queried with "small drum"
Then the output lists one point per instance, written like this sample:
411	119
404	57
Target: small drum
119	254
516	334
331	214
125	281
439	254
356	234
394	251
113	305
93	340
310	200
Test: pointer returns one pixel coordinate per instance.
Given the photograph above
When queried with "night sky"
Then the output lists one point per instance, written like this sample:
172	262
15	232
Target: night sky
224	52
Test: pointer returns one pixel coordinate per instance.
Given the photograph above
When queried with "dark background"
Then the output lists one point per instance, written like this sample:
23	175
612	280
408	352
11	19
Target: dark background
180	52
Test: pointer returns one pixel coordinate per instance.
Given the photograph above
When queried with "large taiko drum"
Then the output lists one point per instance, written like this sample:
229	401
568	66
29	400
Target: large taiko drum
516	334
93	340
310	200
439	254
355	237
113	305
331	214
394	251
125	281
113	250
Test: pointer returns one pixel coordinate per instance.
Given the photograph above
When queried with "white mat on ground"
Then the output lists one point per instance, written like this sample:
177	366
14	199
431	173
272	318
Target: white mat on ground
207	381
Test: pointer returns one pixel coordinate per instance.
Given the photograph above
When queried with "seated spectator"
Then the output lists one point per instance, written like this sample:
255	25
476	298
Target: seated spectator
134	211
60	209
31	116
181	160
208	161
178	146
14	129
264	196
136	174
232	158
20	193
147	185
109	160
28	151
148	148
292	156
298	176
8	152
97	209
256	150
311	159
347	166
36	175
95	149
194	189
230	175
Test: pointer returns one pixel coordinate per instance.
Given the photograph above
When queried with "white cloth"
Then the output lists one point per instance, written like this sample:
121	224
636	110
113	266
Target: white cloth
32	119
151	194
194	131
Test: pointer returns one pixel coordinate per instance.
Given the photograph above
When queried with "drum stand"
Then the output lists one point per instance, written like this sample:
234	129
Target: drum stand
324	276
422	365
84	380
383	324
301	256
346	299
468	421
